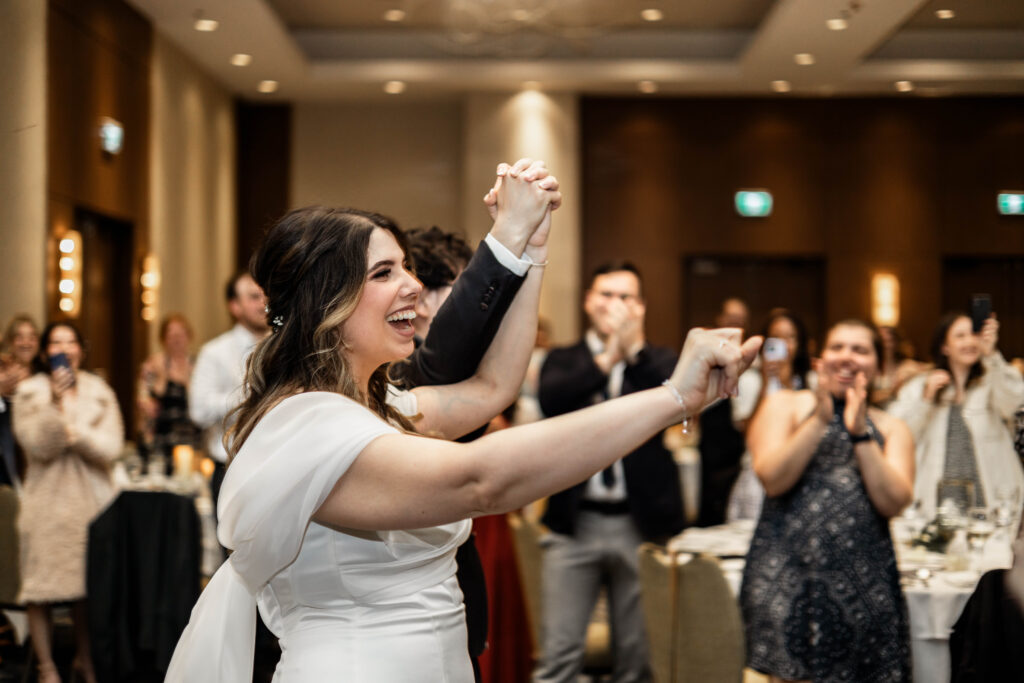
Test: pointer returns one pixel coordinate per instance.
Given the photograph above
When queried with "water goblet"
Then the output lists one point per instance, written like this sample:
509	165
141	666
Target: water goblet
980	525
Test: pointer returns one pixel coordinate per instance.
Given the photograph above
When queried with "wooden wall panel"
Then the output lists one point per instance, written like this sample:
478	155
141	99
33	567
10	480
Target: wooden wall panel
866	185
264	142
98	63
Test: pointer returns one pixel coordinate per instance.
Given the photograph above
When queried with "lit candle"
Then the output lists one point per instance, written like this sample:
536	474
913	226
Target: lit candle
206	467
184	458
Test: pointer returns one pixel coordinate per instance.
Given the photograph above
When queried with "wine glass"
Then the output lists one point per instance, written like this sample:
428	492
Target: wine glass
980	525
1006	505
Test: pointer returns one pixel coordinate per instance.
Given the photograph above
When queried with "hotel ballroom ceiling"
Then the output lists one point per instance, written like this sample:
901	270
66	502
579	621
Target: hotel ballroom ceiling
347	49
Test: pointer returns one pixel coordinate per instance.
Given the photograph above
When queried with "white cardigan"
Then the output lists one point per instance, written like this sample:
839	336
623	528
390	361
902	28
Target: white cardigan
988	405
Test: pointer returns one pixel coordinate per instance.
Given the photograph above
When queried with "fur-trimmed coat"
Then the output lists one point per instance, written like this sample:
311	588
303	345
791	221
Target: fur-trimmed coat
68	449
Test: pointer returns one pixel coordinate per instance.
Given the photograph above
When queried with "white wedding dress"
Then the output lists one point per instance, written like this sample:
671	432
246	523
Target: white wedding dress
347	606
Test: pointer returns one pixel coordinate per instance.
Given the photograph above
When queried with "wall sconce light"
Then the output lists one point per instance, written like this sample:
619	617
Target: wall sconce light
70	268
885	299
150	281
111	136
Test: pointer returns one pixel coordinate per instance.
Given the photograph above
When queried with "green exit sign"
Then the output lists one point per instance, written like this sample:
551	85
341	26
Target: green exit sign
754	203
1011	203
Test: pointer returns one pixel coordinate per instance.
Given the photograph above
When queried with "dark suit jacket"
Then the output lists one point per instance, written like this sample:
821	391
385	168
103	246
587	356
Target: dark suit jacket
569	379
459	336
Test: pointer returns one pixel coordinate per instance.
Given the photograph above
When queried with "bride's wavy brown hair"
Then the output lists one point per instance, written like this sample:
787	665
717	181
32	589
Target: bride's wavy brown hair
312	268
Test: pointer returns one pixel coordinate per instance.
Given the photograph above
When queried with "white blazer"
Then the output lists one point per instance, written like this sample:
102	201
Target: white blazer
988	405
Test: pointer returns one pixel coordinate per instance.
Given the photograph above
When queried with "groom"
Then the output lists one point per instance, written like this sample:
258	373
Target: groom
464	299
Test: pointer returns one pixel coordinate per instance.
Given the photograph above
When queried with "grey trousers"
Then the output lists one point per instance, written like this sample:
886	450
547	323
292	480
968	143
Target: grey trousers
602	552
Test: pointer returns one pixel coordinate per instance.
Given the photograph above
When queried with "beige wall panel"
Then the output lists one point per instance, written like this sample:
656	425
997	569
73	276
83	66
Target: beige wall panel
192	206
540	126
23	159
402	160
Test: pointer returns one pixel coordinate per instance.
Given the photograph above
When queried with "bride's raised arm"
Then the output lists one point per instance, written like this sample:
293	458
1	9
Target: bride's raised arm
402	481
456	409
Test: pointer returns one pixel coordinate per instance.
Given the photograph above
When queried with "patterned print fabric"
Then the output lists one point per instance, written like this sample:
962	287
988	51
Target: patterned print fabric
821	596
961	463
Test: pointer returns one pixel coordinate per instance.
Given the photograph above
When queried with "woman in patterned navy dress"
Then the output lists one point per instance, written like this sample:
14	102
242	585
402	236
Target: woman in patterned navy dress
821	596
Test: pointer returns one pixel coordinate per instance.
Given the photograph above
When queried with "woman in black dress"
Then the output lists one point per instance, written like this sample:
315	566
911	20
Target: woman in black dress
821	597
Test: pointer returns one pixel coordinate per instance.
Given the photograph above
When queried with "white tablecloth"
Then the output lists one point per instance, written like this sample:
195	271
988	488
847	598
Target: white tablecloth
933	609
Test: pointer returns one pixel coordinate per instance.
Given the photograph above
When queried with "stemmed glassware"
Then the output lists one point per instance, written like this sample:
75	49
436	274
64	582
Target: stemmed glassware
981	523
1007	504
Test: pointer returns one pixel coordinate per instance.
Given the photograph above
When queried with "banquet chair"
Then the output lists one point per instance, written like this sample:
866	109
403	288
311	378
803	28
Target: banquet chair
10	572
699	636
526	535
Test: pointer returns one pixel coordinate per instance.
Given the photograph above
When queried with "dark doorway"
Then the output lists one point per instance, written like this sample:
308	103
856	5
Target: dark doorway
108	309
1001	277
764	283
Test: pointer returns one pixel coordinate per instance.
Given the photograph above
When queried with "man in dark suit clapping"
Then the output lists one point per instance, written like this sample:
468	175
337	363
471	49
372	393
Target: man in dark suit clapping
597	526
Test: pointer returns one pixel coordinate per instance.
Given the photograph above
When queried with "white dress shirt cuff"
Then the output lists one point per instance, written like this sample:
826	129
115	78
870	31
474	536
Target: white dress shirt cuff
517	265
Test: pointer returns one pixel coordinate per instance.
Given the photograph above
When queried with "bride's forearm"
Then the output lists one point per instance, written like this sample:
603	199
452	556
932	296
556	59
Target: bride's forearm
519	465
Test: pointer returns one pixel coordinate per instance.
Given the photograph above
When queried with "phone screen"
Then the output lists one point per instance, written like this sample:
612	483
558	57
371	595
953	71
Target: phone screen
775	349
981	309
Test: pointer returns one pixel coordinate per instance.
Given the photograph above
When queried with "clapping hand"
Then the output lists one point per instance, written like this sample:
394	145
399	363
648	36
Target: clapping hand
710	366
936	381
11	374
856	398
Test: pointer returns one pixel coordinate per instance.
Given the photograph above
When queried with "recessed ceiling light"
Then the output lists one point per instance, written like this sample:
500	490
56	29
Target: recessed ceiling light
241	59
904	86
531	85
647	87
652	15
945	13
394	87
394	15
206	25
267	86
837	24
803	58
781	86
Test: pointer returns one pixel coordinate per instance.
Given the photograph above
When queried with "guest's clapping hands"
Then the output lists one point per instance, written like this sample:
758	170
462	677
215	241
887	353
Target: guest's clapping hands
11	374
854	393
711	364
936	381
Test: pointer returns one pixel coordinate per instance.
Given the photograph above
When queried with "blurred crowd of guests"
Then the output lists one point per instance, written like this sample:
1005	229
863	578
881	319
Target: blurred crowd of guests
805	440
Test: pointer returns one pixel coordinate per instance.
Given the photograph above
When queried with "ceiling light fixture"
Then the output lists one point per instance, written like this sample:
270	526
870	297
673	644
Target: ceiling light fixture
206	25
647	87
394	15
267	86
394	87
652	15
781	86
945	13
804	58
904	86
837	24
241	59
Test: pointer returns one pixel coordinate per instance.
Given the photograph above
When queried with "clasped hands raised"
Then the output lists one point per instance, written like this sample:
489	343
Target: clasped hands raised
520	203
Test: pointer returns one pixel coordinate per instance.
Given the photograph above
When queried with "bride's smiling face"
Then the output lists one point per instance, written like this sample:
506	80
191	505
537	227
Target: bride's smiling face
380	328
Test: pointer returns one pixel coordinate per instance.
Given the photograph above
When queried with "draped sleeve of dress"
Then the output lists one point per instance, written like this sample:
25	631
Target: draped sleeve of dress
347	605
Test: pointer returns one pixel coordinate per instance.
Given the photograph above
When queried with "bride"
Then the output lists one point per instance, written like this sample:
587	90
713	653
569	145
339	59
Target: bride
343	509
